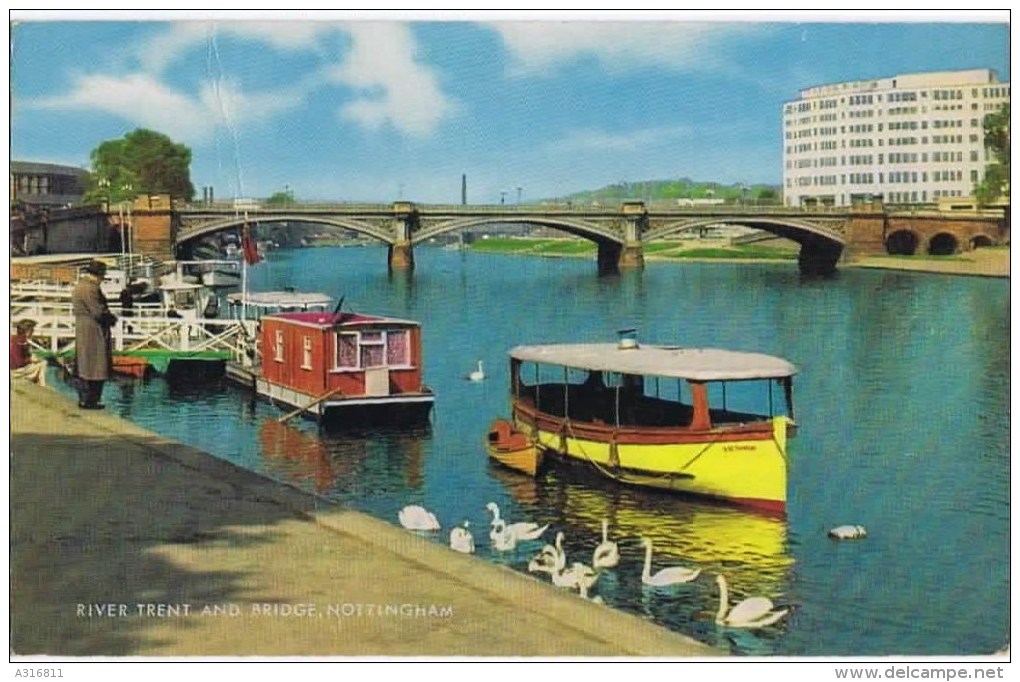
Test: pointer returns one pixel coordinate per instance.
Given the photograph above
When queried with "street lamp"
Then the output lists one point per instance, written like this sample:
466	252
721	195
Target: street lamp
104	184
519	194
502	196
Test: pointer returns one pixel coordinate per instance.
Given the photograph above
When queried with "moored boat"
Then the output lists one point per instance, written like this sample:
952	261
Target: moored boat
679	419
343	368
513	449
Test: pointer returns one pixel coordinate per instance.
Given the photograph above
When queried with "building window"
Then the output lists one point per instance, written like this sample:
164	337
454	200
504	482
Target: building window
278	346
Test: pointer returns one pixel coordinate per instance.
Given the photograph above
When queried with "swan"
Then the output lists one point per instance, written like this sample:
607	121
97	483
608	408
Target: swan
502	539
607	554
848	533
522	530
667	576
754	612
461	539
578	575
414	517
478	374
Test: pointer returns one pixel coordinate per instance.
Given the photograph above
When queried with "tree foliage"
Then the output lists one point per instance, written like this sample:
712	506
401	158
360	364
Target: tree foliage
142	162
996	180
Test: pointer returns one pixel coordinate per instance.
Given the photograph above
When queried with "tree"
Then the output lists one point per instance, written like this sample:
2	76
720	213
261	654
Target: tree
142	162
996	180
280	199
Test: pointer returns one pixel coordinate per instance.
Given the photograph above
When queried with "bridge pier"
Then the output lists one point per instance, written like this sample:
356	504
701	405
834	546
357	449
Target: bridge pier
818	258
401	256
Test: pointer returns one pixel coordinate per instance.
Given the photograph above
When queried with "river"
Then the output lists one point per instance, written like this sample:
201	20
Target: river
902	402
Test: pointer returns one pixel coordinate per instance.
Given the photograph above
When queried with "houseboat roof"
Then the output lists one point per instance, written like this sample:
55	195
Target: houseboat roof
695	364
279	299
328	319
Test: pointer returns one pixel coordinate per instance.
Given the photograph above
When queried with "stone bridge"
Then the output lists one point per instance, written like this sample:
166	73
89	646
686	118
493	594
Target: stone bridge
826	235
619	232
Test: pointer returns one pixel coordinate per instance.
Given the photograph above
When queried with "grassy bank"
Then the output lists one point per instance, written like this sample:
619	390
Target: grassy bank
987	262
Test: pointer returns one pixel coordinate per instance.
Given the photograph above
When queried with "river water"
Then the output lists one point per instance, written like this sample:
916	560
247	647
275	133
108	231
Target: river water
902	403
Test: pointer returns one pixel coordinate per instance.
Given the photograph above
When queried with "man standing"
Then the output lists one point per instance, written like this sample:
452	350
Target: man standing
92	342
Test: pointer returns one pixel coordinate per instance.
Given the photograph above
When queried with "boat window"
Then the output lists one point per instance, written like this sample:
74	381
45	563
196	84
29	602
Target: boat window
347	351
372	349
743	401
278	346
398	347
306	352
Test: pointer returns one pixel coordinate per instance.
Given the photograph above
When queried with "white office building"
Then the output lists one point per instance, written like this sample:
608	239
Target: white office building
909	139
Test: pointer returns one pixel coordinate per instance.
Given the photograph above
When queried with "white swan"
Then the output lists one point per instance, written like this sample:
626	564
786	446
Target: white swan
522	530
607	554
583	590
848	533
414	517
478	374
754	612
667	576
502	539
461	539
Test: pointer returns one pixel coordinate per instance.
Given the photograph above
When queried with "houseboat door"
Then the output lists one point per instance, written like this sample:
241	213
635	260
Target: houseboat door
377	381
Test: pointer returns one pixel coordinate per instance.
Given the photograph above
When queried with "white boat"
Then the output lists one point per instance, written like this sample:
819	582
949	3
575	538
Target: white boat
254	305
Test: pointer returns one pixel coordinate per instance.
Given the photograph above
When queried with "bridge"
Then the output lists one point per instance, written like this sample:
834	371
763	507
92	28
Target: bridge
826	235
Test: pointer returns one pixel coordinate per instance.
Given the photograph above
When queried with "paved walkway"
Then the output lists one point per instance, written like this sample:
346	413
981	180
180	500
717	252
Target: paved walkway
124	543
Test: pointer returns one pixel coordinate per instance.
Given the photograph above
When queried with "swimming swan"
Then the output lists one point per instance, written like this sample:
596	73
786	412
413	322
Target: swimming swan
461	539
502	539
478	374
607	554
848	533
754	612
667	576
414	517
578	575
522	530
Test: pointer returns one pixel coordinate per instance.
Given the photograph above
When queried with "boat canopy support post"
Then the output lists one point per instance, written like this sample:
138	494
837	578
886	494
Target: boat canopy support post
700	420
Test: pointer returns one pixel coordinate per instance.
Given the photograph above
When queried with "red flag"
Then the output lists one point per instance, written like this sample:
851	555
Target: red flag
249	249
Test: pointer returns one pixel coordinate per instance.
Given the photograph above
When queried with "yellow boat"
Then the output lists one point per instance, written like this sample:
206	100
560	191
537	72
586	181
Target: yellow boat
513	449
702	421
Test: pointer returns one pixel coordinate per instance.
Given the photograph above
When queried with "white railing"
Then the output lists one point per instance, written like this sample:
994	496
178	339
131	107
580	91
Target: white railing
147	329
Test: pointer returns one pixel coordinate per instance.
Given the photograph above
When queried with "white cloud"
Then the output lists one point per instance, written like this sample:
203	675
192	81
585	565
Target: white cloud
285	36
390	85
538	47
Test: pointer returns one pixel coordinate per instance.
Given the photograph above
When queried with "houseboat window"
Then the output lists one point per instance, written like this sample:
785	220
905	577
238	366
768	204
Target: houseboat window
347	351
306	353
372	349
398	348
278	346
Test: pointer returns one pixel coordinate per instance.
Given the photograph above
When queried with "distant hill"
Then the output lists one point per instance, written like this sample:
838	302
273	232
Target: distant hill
671	190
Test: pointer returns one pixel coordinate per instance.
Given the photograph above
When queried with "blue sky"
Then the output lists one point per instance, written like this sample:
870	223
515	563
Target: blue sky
399	105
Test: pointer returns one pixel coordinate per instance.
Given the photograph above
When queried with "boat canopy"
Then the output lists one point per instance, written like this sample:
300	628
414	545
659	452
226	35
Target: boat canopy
694	364
280	299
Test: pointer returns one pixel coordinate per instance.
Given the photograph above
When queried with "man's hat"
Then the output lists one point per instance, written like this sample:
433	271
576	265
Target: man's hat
96	267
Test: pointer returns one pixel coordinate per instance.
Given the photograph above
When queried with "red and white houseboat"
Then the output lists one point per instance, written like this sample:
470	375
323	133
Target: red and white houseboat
344	368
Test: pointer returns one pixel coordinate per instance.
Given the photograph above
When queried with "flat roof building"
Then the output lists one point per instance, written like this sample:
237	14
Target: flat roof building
909	139
47	184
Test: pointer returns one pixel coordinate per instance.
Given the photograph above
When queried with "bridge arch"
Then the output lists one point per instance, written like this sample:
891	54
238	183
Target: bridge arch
979	241
579	228
943	244
188	234
798	231
902	243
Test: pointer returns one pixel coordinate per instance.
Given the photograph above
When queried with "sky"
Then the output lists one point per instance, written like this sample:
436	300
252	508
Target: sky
380	106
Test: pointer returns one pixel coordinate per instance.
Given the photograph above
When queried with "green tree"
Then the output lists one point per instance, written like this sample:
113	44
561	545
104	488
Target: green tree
280	199
142	162
996	180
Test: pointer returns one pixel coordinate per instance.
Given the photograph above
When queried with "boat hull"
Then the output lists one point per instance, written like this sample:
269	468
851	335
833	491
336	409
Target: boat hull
394	409
744	466
513	449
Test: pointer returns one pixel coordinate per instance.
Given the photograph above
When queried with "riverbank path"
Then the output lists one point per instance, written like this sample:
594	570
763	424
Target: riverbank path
124	543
